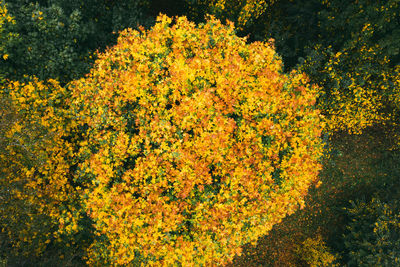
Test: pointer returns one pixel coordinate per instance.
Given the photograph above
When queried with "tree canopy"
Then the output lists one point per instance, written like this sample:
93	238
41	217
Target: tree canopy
182	143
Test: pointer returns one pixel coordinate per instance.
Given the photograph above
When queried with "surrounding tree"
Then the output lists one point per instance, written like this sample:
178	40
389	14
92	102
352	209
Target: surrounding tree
57	38
34	170
6	37
373	237
356	66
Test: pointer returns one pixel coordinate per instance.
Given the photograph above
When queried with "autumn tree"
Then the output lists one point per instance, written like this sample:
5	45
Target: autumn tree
192	143
356	66
35	164
182	144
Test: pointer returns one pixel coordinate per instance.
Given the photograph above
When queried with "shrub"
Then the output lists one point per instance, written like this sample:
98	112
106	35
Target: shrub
314	252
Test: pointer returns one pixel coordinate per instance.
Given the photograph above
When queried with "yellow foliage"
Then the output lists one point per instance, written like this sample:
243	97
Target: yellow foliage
182	144
195	143
33	160
315	253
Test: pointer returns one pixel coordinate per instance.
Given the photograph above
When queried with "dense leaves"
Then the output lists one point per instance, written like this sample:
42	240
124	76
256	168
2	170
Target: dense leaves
357	67
35	191
187	124
56	39
185	142
373	234
173	129
349	48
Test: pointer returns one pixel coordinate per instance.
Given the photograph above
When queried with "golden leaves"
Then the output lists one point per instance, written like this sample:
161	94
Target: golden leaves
187	124
182	144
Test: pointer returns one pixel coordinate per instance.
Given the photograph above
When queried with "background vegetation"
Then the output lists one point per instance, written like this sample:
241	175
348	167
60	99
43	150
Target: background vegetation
348	48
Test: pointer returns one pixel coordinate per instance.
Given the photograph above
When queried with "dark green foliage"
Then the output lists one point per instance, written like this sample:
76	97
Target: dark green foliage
57	38
294	25
373	236
356	51
347	19
168	7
